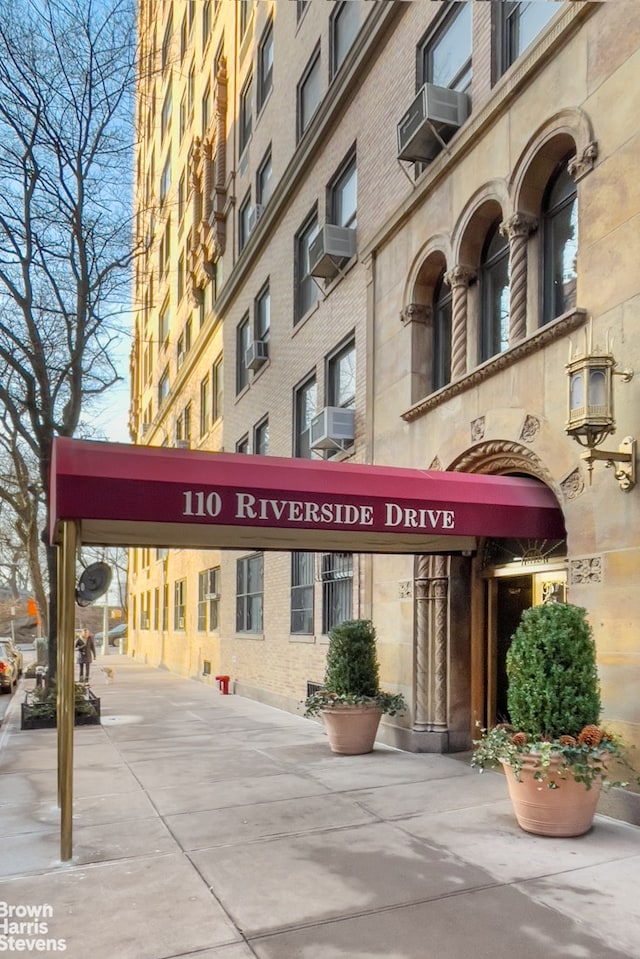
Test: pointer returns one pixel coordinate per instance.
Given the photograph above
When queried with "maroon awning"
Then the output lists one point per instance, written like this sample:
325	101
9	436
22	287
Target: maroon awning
149	496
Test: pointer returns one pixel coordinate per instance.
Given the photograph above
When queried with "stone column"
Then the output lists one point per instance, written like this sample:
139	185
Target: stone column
518	228
431	592
418	318
459	279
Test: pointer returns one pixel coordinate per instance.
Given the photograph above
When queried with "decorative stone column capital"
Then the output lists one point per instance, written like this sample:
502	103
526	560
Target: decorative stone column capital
416	313
520	224
460	276
579	166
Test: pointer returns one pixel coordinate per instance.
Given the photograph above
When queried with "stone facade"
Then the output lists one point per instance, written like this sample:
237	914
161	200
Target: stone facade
566	103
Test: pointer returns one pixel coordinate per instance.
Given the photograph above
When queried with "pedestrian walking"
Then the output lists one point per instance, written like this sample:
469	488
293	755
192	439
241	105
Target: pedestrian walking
85	653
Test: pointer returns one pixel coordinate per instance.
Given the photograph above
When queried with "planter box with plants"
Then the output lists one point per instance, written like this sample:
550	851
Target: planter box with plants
39	710
555	755
350	701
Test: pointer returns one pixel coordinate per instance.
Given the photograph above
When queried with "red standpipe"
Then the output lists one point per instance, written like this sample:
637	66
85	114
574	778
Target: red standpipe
223	685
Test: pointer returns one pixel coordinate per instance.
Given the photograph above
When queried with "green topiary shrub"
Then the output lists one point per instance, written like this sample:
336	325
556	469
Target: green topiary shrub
352	672
352	665
551	666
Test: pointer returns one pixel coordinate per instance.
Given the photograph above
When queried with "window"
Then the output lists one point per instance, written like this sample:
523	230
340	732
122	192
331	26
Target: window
206	22
261	438
245	115
445	58
302	593
441	345
262	314
305	408
519	25
243	222
163	387
341	381
208	599
166	43
263	180
165	607
249	594
184	33
186	418
559	244
343	195
165	116
156	608
306	289
337	589
206	109
182	196
217	389
180	290
191	88
183	117
164	323
344	29
309	90
301	6
242	345
244	9
242	446
204	406
179	603
494	294
165	180
265	65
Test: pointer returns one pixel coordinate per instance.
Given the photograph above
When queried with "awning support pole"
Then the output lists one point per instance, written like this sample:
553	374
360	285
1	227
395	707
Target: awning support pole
66	687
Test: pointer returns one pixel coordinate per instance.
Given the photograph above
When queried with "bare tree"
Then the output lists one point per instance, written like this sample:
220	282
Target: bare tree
67	71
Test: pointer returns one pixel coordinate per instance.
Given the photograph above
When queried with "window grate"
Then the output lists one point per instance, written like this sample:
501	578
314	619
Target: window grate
206	668
313	688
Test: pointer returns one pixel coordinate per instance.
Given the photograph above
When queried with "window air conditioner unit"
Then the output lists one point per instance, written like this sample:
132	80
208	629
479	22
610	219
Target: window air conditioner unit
183	445
181	623
435	114
212	595
332	427
257	354
254	215
145	428
331	248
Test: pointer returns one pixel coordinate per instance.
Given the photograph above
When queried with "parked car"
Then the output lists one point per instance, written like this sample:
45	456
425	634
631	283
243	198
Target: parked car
15	651
115	635
8	669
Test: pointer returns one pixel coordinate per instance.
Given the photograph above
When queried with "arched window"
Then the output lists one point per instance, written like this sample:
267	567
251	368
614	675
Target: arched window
441	372
494	292
559	245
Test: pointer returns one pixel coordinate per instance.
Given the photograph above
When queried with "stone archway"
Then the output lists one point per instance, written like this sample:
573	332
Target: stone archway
446	655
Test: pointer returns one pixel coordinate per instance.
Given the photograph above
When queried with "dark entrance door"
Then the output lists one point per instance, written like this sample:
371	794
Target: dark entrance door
514	594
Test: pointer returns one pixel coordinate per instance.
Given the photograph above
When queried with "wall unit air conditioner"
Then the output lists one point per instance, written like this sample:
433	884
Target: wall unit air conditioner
435	114
331	428
331	248
257	354
254	215
183	444
145	428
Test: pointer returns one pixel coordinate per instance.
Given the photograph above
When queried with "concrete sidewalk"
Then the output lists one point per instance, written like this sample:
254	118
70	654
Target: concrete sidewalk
215	827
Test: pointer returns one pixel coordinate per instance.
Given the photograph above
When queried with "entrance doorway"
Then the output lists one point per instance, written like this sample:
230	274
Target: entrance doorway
509	593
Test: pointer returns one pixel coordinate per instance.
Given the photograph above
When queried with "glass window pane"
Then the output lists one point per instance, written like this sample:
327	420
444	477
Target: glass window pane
449	58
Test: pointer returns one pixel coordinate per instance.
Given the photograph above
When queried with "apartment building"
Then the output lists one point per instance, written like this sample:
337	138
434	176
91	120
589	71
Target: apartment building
377	233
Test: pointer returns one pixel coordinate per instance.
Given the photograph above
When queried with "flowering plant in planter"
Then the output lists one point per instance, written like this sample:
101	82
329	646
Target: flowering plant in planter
554	705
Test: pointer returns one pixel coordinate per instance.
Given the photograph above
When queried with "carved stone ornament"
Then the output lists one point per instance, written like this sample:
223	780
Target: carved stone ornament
415	313
405	589
520	224
573	485
585	570
477	429
579	166
460	276
530	429
436	464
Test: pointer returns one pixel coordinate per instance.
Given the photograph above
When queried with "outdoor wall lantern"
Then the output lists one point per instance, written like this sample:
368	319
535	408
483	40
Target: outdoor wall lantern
591	415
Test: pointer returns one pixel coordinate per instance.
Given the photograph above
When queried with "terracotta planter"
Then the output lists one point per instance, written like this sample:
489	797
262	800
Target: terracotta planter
351	729
565	811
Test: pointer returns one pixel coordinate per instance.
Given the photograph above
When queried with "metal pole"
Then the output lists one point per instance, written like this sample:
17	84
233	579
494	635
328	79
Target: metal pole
105	627
59	674
66	686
